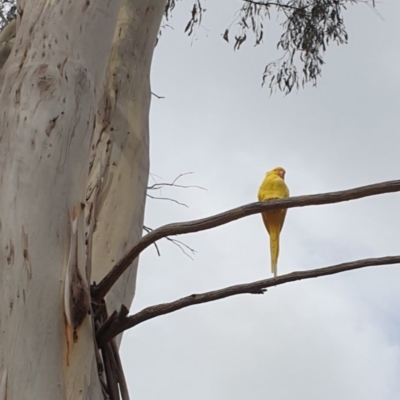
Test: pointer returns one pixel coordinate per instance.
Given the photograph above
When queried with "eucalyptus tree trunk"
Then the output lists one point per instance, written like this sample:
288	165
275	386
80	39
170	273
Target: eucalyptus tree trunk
74	163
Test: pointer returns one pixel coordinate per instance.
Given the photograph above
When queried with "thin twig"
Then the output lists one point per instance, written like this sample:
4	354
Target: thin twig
123	324
277	5
176	242
147	229
158	97
373	8
152	175
182	246
158	186
100	290
180	176
167	198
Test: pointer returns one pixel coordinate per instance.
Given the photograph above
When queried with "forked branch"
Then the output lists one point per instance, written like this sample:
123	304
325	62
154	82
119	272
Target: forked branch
161	185
123	322
100	290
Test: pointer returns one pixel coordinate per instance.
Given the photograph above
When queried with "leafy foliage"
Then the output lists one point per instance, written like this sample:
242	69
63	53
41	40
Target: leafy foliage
309	26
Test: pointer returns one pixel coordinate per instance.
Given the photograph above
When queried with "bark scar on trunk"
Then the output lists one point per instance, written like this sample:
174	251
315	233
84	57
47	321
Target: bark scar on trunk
76	291
25	253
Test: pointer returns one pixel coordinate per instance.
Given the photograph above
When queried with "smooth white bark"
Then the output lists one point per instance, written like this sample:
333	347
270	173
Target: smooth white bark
121	145
56	119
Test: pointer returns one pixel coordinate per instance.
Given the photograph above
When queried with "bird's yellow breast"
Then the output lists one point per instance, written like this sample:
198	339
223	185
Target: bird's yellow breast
273	187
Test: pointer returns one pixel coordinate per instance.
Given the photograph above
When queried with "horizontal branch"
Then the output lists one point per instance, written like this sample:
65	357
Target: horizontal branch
268	3
123	322
161	185
100	290
168	199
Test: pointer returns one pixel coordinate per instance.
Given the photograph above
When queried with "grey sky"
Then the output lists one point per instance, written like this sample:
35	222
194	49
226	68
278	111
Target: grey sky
330	338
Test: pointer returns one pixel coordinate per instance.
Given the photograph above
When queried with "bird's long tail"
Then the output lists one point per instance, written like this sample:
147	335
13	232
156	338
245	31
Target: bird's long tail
274	246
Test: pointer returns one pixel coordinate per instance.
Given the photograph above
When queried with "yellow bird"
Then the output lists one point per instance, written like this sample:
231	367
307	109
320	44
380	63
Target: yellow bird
274	187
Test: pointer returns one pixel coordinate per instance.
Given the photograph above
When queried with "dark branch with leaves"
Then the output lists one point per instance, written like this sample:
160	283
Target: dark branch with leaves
101	289
309	26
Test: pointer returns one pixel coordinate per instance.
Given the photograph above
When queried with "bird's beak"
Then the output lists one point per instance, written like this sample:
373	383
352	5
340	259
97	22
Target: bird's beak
282	174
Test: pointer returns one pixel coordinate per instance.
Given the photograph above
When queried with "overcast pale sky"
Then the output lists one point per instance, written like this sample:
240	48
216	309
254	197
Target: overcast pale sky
331	338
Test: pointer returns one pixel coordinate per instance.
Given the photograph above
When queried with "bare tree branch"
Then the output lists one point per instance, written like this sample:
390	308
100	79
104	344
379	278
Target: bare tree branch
158	186
182	246
123	322
148	230
167	198
100	290
157	96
